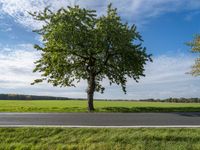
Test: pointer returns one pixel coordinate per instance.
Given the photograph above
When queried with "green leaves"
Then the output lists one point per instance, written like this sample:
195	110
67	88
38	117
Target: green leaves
195	47
77	44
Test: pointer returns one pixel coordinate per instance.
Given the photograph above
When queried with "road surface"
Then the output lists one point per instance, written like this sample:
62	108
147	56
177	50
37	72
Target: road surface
100	119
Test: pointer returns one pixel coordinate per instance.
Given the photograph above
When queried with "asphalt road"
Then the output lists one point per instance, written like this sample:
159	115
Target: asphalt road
100	119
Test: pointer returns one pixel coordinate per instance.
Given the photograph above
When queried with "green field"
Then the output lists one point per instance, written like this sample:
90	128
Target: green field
98	139
101	106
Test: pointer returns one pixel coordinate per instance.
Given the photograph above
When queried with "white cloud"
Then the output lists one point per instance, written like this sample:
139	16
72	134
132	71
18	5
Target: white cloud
136	11
16	64
167	69
19	9
165	77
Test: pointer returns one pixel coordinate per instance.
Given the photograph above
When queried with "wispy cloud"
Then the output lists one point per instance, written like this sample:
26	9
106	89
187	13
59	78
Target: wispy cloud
5	27
192	15
136	11
165	77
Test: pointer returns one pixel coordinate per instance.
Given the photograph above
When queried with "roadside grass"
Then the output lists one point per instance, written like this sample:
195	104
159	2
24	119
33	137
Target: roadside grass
98	139
101	106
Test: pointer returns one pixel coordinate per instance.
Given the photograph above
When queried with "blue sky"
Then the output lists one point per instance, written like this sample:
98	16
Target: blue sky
165	26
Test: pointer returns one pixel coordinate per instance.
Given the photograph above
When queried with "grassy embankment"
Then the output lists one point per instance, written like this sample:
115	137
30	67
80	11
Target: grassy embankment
101	106
98	139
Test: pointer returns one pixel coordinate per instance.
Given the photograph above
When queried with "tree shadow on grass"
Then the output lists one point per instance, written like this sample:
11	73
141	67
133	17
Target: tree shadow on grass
74	109
149	109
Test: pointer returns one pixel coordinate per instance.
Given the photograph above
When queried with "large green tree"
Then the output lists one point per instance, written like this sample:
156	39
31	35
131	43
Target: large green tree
79	45
195	47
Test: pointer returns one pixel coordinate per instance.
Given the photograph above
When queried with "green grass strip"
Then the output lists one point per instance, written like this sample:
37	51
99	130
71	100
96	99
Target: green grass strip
98	139
101	106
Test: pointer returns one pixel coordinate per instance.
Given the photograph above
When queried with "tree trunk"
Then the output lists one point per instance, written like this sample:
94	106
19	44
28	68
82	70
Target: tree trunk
90	92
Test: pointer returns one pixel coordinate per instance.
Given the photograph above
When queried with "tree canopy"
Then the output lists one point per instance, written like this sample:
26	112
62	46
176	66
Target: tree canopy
79	45
195	47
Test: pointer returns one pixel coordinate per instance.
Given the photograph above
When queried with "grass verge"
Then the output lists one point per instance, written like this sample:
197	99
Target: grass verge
98	139
101	106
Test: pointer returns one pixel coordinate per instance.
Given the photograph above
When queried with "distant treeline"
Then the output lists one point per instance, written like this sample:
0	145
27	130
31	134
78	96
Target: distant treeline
175	100
29	97
35	97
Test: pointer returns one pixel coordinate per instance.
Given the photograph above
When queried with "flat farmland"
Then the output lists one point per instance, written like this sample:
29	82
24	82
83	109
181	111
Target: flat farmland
101	106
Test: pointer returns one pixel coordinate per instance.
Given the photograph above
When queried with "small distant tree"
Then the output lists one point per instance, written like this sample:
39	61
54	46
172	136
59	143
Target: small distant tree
195	47
78	45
